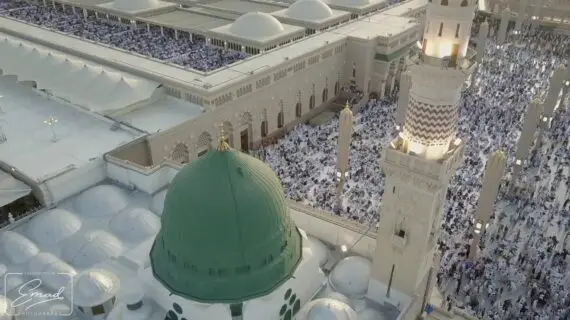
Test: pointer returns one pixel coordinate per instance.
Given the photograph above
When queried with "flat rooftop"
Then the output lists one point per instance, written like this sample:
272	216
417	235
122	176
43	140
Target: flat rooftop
156	70
244	6
406	7
29	147
162	115
186	20
377	25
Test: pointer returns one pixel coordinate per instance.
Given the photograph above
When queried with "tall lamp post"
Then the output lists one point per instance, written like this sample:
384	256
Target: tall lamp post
494	171
51	122
344	135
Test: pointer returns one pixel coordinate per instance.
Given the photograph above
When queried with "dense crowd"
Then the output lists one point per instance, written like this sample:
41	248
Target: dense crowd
522	270
194	54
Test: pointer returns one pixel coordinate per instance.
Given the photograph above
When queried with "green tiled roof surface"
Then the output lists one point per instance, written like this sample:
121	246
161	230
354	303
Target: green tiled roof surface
226	234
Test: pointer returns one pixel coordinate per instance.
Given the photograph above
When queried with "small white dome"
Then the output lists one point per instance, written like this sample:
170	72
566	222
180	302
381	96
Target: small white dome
339	297
158	202
53	226
256	25
95	286
17	248
350	276
135	224
101	200
130	5
326	309
92	247
348	3
58	274
370	314
320	250
309	10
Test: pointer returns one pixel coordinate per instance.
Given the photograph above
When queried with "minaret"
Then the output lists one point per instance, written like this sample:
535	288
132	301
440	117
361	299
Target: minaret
421	160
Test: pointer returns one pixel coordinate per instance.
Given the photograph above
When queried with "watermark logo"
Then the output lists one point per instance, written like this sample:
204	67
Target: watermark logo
41	294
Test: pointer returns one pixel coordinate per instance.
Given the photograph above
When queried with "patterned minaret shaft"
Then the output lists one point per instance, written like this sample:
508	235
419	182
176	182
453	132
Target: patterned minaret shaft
420	162
437	79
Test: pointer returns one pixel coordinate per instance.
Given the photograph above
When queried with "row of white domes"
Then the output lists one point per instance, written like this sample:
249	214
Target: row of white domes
261	24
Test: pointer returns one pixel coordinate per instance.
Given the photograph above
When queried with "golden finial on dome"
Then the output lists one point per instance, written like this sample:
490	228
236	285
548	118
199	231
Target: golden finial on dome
222	143
347	106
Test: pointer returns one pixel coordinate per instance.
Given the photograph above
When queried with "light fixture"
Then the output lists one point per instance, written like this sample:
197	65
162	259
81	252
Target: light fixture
518	162
544	119
478	225
51	122
343	248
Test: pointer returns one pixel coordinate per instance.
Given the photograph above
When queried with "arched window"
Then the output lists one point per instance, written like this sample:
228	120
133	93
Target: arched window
464	3
312	102
440	32
336	88
264	128
444	2
180	153
325	95
457	30
298	110
280	120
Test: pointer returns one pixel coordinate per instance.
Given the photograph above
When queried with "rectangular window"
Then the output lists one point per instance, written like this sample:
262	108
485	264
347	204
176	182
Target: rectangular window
457	30
440	32
97	310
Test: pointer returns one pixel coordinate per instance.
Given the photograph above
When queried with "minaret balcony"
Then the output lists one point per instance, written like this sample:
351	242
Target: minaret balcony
466	63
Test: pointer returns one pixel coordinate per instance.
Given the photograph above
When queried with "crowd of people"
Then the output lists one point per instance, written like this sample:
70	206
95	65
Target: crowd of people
193	54
522	270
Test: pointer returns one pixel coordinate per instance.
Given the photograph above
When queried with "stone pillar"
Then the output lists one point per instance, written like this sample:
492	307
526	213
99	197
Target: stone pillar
403	99
523	7
343	152
505	17
481	43
556	85
494	171
526	139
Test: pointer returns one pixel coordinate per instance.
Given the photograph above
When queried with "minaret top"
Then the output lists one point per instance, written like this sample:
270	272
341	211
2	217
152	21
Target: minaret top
222	144
346	109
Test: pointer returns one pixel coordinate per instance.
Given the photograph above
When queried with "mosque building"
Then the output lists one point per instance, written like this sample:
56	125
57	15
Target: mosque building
145	217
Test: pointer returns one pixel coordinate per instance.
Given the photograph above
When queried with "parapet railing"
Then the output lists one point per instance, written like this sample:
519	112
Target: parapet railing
332	218
146	170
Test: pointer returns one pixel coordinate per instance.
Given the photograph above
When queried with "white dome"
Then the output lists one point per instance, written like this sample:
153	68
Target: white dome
158	202
47	262
348	3
350	276
101	200
339	297
326	309
135	224
93	247
53	226
370	314
131	291
57	272
309	10
320	250
17	248
95	286
130	5
256	25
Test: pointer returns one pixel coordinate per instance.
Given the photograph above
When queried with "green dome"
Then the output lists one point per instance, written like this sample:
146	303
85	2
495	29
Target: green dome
226	234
